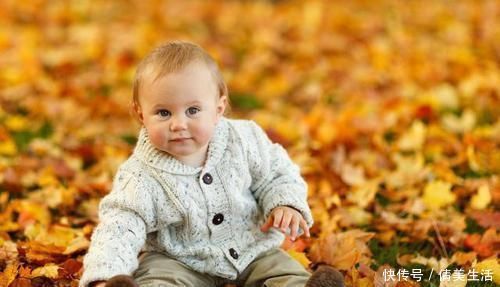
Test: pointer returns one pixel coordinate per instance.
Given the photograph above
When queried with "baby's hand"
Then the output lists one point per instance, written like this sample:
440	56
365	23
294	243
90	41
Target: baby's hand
283	217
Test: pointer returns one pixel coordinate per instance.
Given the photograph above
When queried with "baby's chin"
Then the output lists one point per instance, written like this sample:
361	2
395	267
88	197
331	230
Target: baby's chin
183	151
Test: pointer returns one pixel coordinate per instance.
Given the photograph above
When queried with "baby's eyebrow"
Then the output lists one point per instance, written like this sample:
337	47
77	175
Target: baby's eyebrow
194	102
157	106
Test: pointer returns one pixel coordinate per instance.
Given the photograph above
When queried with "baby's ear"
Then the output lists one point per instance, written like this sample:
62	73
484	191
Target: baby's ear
221	105
136	109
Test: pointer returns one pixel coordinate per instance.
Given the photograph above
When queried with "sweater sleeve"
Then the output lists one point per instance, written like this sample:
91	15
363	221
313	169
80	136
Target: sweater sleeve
125	217
276	180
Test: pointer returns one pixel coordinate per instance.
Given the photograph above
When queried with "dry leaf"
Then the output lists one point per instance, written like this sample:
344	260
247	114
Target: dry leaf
482	199
300	257
487	219
50	270
9	273
77	244
437	194
431	262
492	265
414	138
342	250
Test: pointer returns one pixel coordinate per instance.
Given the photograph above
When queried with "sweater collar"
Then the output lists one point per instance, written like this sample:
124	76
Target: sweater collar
153	157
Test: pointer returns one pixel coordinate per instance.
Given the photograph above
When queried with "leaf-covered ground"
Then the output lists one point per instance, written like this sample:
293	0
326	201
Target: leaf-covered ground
391	108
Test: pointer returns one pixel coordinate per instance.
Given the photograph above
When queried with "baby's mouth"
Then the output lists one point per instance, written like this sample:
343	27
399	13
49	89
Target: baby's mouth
179	139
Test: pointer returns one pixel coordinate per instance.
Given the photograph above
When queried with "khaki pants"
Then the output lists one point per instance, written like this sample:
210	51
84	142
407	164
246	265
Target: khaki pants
274	268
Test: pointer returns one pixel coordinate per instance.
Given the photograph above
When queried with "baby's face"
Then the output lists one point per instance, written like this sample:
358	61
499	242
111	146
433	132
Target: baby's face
180	111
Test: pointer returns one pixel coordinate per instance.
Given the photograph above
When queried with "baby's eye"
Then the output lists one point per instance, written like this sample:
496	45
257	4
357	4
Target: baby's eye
193	110
163	113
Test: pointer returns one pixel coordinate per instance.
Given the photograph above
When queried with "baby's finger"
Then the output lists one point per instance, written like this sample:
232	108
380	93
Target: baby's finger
304	226
278	216
268	224
294	227
285	222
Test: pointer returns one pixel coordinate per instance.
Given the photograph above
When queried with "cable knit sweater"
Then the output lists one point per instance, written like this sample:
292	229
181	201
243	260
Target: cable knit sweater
207	217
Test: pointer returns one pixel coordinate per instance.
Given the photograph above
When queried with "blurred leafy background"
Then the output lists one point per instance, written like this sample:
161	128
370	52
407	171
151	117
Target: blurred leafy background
391	108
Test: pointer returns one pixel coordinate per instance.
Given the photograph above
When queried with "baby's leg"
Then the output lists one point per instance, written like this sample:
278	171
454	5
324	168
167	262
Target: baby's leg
158	270
275	269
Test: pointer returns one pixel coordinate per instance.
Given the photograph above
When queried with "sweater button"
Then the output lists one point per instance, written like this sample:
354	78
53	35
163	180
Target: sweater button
207	178
233	253
218	218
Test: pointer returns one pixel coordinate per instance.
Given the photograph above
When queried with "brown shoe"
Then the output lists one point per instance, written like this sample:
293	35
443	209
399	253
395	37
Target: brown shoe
121	281
326	276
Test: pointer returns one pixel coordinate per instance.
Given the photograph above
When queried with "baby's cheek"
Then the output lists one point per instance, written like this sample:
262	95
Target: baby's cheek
204	133
157	139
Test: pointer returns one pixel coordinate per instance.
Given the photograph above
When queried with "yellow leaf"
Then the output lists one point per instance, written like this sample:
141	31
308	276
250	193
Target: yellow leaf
460	124
431	262
12	75
359	216
437	194
445	96
326	133
313	12
274	86
77	244
365	282
409	169
491	266
32	231
462	258
8	147
482	199
47	178
414	138
33	211
472	159
300	257
364	195
9	273
16	123
50	270
457	280
353	175
57	235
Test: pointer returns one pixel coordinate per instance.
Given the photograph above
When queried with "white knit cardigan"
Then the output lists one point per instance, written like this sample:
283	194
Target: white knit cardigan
207	217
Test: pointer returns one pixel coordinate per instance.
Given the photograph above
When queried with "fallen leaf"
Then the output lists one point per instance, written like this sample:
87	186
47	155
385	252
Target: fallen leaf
460	124
9	273
381	280
487	218
49	270
414	138
455	281
21	282
437	194
463	258
70	268
492	265
300	257
482	199
431	262
342	250
77	244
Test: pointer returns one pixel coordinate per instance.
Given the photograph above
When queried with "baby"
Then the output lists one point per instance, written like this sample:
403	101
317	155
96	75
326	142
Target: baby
206	198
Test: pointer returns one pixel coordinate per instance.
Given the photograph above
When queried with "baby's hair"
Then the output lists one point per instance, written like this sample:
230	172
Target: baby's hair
171	57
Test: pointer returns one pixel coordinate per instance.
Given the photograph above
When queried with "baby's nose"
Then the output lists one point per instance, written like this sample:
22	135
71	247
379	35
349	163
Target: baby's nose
177	123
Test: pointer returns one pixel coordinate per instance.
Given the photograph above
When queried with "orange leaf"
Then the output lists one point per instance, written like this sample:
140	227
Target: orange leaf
21	282
487	219
9	274
342	250
70	267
